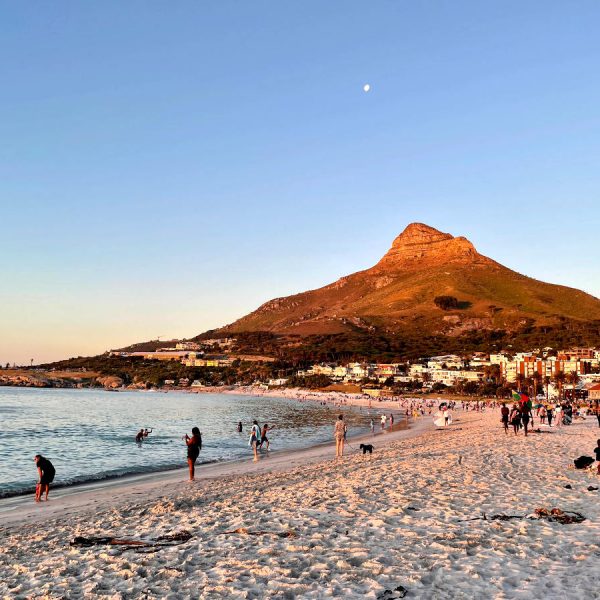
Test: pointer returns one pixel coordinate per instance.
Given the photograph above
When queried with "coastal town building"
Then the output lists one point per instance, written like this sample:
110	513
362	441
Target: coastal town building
594	392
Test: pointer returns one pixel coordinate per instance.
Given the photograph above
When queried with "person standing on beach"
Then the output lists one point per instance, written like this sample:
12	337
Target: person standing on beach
194	445
255	437
515	418
550	415
46	471
339	434
597	453
372	427
505	413
391	420
263	436
383	422
525	415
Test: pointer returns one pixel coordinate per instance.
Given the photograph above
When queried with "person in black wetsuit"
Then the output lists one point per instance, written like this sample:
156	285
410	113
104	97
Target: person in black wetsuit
240	427
46	472
194	445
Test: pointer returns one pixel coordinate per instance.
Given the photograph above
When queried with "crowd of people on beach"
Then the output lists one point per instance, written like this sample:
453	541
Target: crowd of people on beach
520	416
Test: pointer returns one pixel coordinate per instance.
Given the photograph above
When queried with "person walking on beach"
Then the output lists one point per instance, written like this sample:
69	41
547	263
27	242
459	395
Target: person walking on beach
515	418
550	415
263	435
391	420
505	413
525	415
255	437
338	433
194	445
46	471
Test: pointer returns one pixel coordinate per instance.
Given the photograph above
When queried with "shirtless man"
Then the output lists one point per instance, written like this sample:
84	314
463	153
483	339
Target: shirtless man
263	436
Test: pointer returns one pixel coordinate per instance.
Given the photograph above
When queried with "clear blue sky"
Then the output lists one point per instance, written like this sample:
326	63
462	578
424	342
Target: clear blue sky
167	167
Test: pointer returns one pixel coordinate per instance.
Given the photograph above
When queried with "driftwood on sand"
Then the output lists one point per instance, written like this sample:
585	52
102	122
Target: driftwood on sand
174	539
554	515
290	533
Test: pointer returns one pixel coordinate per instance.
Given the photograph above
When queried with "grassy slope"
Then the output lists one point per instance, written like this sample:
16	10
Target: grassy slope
396	301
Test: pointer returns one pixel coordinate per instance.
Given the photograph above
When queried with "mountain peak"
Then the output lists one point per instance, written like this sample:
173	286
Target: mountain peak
420	245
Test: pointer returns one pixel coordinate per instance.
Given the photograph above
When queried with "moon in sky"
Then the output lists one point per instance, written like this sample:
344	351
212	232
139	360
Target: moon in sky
366	87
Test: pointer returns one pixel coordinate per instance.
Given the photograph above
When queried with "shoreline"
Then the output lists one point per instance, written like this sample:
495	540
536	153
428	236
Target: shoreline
423	512
301	396
65	499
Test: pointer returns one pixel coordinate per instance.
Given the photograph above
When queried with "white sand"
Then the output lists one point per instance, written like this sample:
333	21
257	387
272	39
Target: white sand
360	526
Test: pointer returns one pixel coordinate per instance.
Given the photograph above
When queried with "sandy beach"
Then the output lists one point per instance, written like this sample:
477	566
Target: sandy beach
301	525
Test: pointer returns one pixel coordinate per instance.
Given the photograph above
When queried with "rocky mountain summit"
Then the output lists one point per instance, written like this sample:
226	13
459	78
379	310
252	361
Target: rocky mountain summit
403	294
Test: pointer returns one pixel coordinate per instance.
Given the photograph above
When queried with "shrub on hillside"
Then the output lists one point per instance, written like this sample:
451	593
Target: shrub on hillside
446	302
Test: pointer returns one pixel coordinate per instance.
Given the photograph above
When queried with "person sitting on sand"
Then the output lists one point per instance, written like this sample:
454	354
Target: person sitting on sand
46	472
139	436
339	434
194	445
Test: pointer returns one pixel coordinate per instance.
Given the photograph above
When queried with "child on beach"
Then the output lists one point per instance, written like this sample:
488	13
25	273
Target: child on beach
597	453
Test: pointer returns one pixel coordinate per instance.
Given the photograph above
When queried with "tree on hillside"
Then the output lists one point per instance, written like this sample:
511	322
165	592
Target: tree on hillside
559	380
537	382
547	381
446	302
573	379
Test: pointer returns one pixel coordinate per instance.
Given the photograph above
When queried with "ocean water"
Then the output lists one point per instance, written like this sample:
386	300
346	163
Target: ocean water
90	434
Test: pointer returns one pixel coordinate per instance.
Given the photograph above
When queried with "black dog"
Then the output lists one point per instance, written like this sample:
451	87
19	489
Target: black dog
366	448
